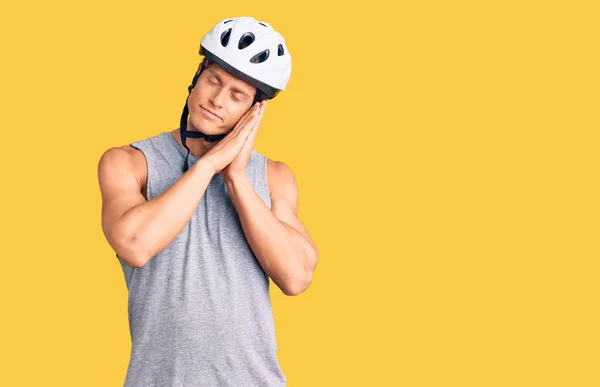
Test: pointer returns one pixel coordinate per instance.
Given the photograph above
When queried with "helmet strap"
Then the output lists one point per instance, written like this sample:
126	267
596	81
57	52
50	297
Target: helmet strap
184	133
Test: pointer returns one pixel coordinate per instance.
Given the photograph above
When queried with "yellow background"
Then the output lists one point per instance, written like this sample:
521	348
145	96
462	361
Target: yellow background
447	160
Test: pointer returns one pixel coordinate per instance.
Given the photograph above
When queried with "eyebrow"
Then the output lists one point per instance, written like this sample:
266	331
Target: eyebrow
234	88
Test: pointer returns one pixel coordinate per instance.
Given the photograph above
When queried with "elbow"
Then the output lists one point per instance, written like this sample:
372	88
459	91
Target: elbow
130	261
131	257
301	280
296	287
132	252
138	262
127	242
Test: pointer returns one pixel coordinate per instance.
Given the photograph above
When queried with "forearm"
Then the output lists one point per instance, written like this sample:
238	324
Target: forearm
284	254
155	223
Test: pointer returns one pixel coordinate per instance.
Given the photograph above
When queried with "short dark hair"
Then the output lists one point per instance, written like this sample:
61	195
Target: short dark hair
207	62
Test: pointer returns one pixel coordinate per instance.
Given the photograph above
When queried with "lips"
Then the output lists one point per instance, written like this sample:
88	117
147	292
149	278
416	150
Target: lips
210	112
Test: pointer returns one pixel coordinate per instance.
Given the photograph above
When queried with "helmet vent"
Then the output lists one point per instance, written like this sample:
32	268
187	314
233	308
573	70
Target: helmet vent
246	40
280	50
225	37
262	24
260	57
227	21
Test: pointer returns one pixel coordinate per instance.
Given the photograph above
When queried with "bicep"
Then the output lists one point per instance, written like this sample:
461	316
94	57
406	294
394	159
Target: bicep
120	192
284	199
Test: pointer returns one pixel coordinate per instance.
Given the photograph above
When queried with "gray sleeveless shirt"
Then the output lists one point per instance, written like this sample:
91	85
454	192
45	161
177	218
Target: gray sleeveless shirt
199	311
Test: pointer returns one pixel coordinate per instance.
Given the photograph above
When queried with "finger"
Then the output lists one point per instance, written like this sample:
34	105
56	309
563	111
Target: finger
249	112
252	134
248	126
262	110
246	147
241	124
242	120
260	116
252	120
263	106
249	140
251	125
248	116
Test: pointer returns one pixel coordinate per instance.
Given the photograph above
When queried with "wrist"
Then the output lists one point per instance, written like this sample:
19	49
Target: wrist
204	166
234	176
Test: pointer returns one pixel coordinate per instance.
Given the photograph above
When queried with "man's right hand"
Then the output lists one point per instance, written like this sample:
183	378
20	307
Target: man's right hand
222	154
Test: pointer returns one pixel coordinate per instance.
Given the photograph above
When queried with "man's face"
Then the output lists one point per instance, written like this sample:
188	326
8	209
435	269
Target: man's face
221	93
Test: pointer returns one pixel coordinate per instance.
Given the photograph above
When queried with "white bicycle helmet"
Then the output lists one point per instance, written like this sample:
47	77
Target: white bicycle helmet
249	49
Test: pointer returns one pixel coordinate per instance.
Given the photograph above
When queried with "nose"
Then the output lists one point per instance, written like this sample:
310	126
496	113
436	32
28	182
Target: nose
217	98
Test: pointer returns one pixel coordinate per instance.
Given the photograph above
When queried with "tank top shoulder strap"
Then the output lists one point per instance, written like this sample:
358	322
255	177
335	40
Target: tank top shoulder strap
257	172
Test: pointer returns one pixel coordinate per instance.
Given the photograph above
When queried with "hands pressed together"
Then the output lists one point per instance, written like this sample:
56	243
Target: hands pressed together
230	156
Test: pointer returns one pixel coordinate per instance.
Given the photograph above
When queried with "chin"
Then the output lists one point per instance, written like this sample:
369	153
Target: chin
205	126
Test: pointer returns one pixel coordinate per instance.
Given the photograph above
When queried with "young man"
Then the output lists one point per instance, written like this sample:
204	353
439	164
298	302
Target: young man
198	243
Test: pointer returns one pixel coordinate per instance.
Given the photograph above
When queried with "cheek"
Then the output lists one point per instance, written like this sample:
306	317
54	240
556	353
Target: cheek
197	93
197	97
237	114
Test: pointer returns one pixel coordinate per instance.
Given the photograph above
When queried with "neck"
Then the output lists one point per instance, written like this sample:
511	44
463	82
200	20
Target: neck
198	146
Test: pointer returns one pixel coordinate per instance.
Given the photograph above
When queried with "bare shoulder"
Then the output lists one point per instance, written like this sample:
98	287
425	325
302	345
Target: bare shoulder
126	157
281	180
